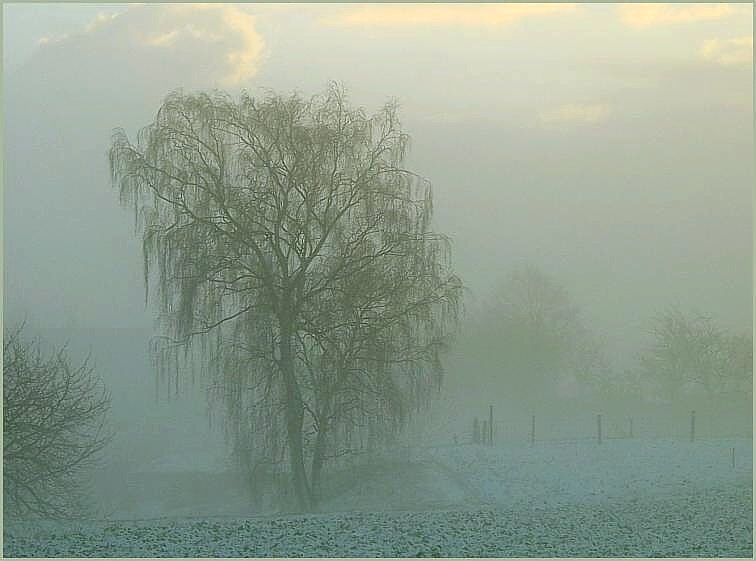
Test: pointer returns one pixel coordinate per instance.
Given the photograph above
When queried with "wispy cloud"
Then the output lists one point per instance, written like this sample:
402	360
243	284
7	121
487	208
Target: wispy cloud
163	39
101	19
224	24
652	15
224	30
436	15
729	52
577	113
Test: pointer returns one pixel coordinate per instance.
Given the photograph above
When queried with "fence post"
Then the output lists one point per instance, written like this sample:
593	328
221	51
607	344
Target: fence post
692	425
598	427
532	430
490	425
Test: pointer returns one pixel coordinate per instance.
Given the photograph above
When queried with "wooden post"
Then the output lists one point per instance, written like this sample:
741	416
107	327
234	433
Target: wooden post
598	427
532	430
484	433
692	426
490	425
733	457
631	427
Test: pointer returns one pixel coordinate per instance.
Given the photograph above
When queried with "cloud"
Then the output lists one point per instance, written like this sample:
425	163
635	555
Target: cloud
729	52
187	31
224	25
102	18
163	39
652	15
243	61
177	35
577	113
469	15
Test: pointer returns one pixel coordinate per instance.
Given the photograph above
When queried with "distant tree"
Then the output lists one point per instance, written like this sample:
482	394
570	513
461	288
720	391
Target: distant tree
536	328
527	343
739	368
54	418
292	243
593	372
689	354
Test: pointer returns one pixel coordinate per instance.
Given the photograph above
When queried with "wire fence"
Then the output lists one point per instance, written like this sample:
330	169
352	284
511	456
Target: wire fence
499	425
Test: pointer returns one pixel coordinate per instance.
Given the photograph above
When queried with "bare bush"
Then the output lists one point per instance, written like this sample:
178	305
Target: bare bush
53	429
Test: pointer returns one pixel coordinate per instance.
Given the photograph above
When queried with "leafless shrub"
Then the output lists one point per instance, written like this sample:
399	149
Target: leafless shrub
53	429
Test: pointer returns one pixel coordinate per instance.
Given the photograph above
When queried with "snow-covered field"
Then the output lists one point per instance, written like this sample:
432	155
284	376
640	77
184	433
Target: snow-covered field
621	498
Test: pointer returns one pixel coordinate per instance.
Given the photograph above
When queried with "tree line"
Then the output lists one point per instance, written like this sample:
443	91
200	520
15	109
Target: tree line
530	338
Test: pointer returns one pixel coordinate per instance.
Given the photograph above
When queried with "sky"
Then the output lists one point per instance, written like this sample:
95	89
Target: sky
609	145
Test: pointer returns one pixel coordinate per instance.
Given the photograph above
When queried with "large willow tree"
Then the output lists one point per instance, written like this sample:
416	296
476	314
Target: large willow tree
288	239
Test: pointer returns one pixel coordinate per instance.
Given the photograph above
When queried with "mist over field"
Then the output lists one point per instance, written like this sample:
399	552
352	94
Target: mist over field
384	280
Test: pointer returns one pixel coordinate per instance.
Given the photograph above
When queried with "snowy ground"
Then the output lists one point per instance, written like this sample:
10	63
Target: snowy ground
622	498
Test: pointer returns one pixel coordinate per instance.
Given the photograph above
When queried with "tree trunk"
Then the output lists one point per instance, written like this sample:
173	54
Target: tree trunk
318	459
294	418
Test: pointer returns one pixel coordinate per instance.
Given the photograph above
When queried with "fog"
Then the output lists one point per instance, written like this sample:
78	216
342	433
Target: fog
607	148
